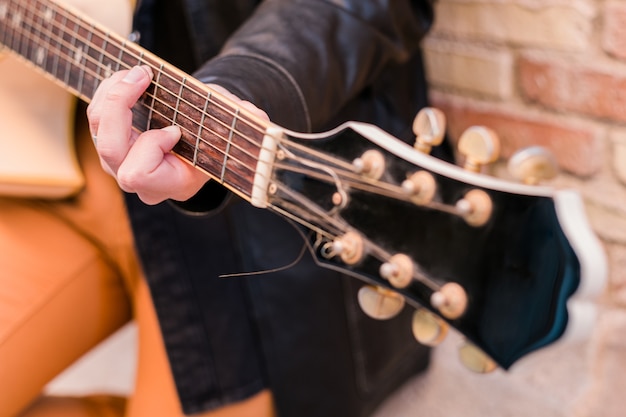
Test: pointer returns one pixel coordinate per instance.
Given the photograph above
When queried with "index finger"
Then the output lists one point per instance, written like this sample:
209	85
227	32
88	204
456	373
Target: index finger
116	117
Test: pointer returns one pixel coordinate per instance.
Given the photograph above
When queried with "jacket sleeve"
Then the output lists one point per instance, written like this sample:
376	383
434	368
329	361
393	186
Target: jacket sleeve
302	60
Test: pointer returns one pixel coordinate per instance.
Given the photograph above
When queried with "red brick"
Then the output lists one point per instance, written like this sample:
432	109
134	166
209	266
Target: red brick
578	146
614	30
582	89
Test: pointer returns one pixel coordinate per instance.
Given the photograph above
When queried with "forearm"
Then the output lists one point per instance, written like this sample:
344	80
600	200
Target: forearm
302	60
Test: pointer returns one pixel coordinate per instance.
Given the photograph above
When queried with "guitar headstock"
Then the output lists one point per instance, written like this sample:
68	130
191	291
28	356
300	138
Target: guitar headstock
496	260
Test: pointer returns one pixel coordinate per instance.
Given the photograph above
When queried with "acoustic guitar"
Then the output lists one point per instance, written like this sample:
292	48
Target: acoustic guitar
511	266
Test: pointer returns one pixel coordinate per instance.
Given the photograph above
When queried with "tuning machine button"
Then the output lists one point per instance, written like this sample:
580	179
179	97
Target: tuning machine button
475	359
429	128
428	329
398	270
380	303
371	164
420	187
450	300
348	247
480	146
532	165
475	207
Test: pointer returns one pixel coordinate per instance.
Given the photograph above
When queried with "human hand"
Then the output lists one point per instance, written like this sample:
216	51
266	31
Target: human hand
142	163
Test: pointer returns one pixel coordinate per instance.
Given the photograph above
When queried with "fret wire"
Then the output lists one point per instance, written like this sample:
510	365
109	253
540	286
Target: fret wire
27	50
100	63
154	96
64	25
60	48
199	135
3	14
16	41
119	58
73	54
55	65
230	139
177	107
81	79
46	29
9	35
23	48
40	54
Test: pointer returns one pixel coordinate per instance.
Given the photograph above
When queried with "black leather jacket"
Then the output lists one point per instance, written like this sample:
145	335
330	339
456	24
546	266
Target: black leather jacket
310	64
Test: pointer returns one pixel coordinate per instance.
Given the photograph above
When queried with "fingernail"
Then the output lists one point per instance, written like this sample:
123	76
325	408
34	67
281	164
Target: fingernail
136	74
172	129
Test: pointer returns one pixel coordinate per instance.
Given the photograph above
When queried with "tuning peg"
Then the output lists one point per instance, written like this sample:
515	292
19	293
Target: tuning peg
532	165
398	270
480	146
428	329
450	300
429	128
349	247
475	359
420	187
475	207
380	303
371	164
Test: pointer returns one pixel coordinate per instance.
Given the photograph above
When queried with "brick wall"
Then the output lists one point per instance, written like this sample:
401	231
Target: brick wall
552	73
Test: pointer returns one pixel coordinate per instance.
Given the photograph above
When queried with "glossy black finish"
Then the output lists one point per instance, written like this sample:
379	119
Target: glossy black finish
518	270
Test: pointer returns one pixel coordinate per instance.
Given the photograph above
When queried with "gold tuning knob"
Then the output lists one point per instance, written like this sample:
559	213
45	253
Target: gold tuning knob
480	146
533	165
398	270
450	300
380	303
428	329
475	359
349	247
371	164
429	128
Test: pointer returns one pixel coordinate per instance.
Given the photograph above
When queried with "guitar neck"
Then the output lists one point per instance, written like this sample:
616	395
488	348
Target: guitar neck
217	136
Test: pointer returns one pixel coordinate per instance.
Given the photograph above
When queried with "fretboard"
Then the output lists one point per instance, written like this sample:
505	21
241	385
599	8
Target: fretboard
78	53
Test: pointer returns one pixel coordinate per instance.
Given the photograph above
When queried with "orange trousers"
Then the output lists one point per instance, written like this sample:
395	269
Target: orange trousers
69	278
